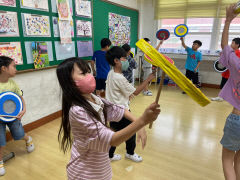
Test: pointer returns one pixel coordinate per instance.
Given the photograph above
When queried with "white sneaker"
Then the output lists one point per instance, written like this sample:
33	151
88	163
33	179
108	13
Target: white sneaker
29	145
147	93
2	169
116	157
134	157
217	99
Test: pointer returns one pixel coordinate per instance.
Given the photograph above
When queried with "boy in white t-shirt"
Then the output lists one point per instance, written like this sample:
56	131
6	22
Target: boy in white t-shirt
119	91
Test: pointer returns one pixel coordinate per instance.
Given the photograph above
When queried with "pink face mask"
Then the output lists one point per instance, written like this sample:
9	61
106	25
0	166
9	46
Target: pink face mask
87	84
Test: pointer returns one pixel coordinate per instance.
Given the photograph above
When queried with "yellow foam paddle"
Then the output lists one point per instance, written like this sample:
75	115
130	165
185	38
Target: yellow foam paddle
172	71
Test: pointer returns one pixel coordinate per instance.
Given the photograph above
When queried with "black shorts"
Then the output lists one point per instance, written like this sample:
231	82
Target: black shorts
193	76
100	84
223	82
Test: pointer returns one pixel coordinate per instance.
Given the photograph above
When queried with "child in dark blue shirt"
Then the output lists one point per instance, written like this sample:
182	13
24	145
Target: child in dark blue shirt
102	66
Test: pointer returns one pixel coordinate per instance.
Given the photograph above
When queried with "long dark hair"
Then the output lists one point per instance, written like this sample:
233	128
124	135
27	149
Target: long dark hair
72	96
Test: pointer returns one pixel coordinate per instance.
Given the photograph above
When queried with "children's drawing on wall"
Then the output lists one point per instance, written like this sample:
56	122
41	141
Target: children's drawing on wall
63	10
64	51
8	24
36	25
8	3
12	50
85	48
84	28
65	30
56	27
119	29
83	8
40	54
39	4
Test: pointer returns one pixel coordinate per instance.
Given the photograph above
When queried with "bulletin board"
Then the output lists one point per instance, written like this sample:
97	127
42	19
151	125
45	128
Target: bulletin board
25	25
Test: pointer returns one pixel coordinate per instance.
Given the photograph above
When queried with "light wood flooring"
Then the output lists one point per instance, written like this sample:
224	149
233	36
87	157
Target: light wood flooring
182	145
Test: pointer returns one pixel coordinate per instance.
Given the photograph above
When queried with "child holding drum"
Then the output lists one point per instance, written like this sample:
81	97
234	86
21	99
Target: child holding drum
8	70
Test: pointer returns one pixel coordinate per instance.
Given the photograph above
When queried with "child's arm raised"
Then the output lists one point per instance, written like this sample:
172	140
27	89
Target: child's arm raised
149	115
183	43
230	15
159	44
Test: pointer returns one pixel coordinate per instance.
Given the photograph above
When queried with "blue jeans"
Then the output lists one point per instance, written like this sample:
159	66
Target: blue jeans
231	136
15	128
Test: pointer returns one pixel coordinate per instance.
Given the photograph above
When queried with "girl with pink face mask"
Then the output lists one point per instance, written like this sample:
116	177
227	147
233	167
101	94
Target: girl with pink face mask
84	122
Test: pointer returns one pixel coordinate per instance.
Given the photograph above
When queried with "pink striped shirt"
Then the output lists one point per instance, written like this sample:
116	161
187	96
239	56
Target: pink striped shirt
89	156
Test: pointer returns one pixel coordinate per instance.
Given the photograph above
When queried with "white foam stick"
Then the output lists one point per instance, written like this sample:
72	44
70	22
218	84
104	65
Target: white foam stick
1	115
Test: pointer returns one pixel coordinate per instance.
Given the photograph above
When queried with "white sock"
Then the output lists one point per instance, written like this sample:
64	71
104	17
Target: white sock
29	139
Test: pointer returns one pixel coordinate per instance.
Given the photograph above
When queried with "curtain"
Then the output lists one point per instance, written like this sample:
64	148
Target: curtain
167	9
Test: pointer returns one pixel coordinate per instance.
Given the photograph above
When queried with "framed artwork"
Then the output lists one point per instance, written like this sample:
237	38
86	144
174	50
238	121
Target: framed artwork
83	8
63	10
85	48
36	25
65	30
84	28
8	3
40	54
35	4
12	50
8	24
64	51
119	29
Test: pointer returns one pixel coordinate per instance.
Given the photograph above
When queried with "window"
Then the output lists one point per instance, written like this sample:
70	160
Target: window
233	31
197	25
170	24
234	27
199	29
204	38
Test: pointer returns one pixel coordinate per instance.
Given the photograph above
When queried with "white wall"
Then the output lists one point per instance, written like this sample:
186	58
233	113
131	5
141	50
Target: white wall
147	25
128	3
40	92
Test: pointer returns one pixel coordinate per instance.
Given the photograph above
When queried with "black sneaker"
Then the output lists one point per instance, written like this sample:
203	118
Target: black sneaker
183	92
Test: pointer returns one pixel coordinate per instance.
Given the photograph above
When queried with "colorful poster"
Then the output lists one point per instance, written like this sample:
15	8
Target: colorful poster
8	3
36	25
40	54
65	30
84	28
85	48
56	27
39	4
8	24
83	8
12	50
63	10
119	29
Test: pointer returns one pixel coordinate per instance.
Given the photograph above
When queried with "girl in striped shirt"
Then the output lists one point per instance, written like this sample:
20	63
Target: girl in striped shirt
84	119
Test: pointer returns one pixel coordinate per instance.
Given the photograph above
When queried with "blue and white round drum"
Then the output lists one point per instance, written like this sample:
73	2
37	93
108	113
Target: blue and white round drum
10	106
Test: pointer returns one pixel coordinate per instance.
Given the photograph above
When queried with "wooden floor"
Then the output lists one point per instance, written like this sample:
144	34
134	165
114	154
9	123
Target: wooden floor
183	144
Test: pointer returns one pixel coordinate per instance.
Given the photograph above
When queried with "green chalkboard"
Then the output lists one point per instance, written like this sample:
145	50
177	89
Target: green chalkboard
100	11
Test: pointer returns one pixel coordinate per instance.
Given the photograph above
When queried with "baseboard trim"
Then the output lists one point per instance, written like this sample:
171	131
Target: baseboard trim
210	85
37	123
